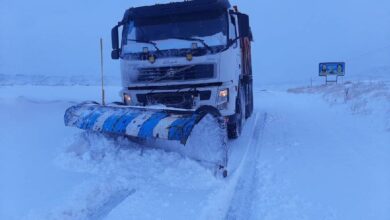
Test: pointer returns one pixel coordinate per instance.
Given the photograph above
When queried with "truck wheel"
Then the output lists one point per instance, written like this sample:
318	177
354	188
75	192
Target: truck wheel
234	129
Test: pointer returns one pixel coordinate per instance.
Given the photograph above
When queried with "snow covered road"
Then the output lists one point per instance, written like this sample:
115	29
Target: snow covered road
304	155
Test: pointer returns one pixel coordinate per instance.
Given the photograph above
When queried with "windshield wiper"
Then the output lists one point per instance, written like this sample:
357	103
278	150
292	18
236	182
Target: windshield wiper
194	39
146	42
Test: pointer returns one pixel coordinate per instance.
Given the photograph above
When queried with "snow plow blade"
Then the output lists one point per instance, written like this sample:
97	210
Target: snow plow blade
207	144
133	122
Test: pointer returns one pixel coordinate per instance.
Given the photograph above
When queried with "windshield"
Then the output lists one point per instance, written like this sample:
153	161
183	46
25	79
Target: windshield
176	32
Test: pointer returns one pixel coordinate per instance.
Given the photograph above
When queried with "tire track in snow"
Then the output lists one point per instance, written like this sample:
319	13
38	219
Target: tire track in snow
221	202
243	196
102	211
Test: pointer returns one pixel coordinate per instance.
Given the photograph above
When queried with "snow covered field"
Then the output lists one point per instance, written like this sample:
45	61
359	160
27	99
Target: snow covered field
307	153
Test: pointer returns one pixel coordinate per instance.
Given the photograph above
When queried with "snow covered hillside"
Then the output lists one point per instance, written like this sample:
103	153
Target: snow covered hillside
309	153
53	80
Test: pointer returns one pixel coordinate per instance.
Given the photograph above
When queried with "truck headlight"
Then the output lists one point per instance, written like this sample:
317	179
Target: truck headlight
224	93
127	99
223	98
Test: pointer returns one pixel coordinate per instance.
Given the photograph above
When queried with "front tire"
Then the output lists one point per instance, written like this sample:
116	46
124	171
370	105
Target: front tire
235	128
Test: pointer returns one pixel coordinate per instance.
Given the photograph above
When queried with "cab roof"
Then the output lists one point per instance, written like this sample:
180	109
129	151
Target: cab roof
175	8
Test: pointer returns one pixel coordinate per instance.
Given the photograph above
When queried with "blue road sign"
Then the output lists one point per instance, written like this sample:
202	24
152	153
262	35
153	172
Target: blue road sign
329	69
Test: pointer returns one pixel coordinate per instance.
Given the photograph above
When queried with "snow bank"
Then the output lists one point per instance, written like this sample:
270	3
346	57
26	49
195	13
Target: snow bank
125	171
362	97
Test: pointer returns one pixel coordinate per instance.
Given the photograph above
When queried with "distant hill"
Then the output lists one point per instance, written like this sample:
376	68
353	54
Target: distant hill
52	80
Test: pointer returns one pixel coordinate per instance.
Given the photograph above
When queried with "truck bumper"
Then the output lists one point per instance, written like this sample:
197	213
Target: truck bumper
191	98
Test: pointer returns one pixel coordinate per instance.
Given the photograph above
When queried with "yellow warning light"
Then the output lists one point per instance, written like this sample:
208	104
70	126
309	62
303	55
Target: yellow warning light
189	56
152	59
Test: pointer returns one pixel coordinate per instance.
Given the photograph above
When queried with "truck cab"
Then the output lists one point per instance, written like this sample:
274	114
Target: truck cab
187	55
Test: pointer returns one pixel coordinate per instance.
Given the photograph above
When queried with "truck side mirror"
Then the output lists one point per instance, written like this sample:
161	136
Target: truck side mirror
115	54
243	26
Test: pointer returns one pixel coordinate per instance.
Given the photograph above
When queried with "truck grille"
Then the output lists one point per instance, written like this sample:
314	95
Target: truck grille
173	73
183	100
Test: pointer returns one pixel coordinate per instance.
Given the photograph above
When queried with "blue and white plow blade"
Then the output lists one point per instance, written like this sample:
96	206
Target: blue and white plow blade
144	124
140	123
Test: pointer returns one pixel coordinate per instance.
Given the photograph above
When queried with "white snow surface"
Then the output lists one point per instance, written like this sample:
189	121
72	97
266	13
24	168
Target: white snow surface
319	152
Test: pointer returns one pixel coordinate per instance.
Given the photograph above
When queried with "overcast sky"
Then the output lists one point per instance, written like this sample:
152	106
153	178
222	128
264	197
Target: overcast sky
291	37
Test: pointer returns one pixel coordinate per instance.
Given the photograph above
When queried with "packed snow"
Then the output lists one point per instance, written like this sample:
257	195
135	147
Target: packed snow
319	152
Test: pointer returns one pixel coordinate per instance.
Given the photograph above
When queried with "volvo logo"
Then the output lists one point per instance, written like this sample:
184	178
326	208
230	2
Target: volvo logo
171	62
171	72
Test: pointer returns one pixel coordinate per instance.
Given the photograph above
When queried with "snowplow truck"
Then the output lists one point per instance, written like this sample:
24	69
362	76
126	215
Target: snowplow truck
179	62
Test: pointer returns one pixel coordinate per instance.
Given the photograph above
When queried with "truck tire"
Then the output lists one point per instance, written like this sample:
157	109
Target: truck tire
235	129
249	109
